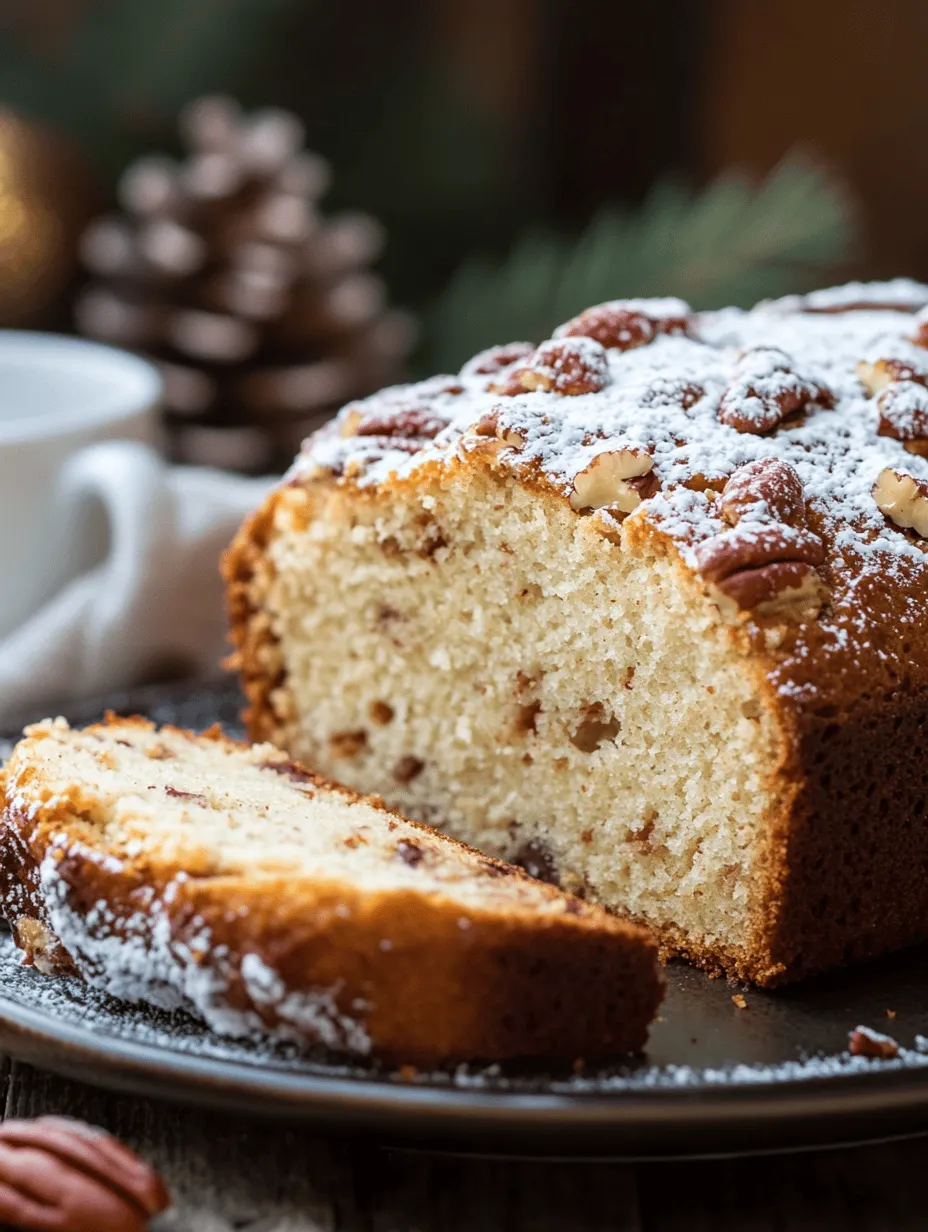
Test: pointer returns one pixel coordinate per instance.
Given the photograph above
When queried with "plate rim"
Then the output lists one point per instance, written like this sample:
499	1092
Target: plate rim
652	1119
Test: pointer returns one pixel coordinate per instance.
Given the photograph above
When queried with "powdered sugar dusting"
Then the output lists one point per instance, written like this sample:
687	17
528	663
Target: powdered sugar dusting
665	397
314	1014
141	958
900	294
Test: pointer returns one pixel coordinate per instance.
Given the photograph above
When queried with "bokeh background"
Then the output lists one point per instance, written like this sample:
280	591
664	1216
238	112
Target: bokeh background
522	158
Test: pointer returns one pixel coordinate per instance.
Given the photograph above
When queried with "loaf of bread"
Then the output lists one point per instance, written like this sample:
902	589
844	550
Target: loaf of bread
193	871
642	608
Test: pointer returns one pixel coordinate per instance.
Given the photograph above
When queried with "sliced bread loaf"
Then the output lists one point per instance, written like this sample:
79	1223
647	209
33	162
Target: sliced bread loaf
195	871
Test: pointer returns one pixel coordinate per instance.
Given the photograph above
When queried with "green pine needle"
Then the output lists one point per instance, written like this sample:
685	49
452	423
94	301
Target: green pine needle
731	243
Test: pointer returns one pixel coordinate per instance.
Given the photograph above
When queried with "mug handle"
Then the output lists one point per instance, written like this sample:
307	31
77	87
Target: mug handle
125	486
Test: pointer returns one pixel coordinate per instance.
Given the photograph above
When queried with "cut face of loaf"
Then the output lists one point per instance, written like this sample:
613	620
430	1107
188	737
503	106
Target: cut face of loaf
194	871
630	609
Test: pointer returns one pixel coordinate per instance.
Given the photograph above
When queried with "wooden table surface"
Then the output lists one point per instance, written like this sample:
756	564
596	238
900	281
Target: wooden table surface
229	1174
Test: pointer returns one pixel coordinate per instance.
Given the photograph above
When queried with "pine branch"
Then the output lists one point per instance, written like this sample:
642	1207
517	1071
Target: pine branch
734	242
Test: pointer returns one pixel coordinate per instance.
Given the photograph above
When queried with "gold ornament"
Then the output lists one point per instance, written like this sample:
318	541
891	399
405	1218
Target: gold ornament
46	198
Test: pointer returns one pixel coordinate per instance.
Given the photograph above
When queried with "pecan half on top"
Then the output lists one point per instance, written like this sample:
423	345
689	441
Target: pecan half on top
766	390
569	366
920	334
753	544
767	488
495	359
488	437
901	390
903	408
903	499
766	563
876	374
621	478
673	393
397	418
624	324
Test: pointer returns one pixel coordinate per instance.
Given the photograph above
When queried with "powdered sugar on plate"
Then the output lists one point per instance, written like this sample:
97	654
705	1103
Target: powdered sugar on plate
64	1001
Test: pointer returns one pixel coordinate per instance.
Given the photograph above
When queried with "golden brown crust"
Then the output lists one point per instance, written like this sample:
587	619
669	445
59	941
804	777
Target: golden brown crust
256	657
411	976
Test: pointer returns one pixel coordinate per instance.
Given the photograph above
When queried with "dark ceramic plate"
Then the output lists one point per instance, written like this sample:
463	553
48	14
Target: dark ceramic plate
718	1078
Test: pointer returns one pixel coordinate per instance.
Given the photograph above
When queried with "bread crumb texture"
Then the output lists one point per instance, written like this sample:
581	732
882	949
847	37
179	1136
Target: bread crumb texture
551	690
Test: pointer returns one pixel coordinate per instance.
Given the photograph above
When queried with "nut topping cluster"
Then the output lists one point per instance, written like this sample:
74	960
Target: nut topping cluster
766	390
569	366
623	325
766	561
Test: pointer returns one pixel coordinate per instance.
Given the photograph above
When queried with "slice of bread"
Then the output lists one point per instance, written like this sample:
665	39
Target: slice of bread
193	871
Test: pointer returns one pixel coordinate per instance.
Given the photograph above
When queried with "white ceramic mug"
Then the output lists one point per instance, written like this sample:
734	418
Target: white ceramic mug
59	396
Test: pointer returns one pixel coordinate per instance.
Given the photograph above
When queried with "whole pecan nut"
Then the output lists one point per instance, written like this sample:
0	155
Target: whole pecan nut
406	412
766	390
58	1175
769	488
865	1042
673	393
624	324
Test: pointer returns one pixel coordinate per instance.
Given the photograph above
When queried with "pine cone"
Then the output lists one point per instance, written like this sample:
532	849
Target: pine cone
259	312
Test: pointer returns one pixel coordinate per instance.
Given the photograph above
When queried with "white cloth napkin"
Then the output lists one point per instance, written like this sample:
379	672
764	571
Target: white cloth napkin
154	596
